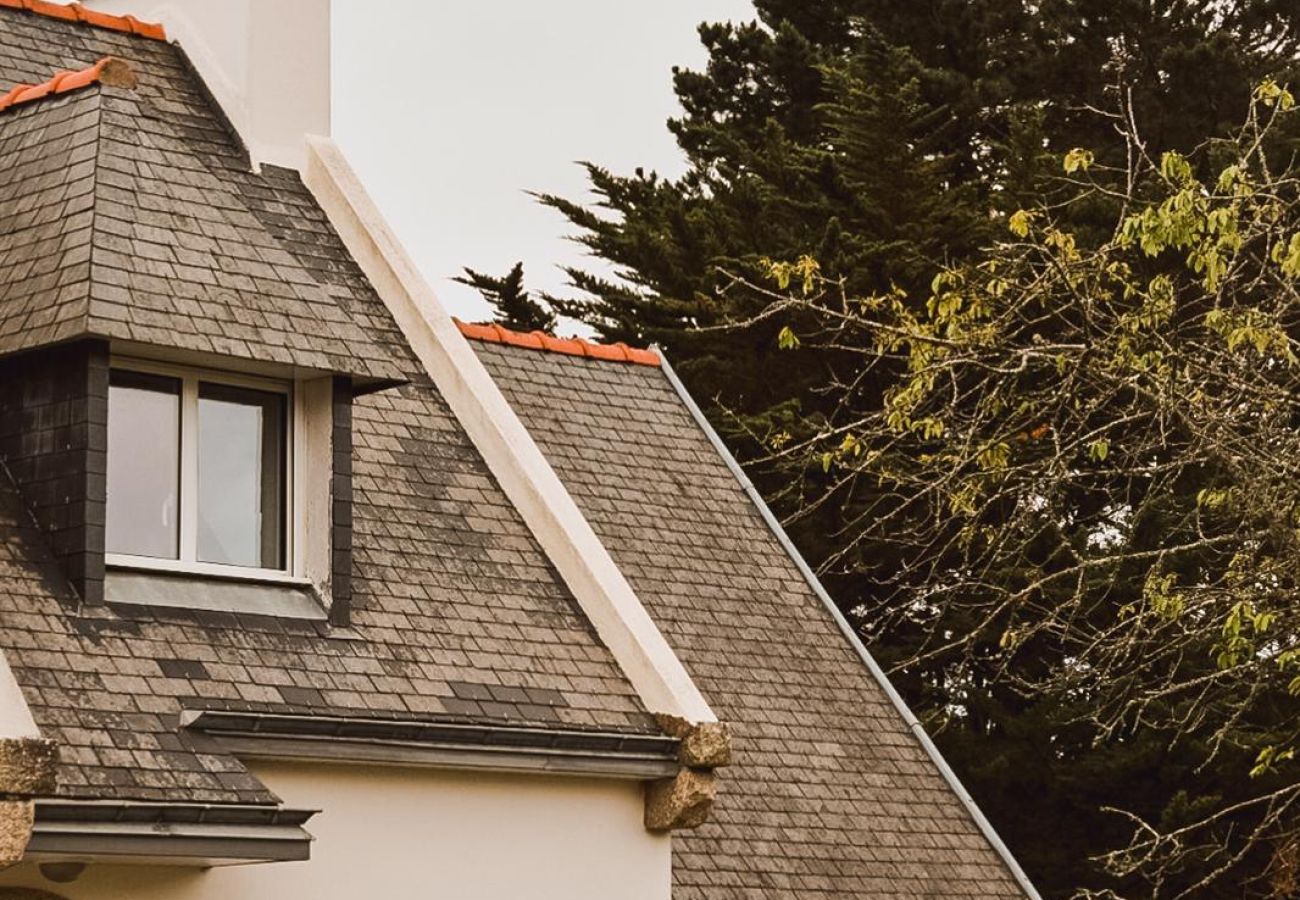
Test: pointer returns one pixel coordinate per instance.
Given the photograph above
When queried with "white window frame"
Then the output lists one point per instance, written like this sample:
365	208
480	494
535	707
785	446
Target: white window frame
187	513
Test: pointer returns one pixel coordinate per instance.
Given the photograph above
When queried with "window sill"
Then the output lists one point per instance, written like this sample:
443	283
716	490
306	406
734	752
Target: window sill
202	570
190	589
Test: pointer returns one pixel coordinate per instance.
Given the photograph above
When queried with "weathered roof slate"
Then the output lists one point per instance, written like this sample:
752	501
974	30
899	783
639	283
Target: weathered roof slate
107	70
188	247
830	794
457	614
47	183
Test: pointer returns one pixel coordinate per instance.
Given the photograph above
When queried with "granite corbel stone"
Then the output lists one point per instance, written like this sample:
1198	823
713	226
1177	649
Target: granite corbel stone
683	801
28	768
704	745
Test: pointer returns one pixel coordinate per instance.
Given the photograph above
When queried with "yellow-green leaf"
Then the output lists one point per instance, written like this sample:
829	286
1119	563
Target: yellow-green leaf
1019	222
1078	159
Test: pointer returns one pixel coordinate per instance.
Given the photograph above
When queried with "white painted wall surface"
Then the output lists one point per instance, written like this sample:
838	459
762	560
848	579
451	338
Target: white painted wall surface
402	834
15	718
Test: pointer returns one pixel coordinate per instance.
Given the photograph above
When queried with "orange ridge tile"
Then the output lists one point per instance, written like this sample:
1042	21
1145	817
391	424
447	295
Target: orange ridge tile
493	333
75	12
109	70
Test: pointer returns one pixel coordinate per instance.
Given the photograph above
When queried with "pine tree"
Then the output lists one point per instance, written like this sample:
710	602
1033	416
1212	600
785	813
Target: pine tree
513	305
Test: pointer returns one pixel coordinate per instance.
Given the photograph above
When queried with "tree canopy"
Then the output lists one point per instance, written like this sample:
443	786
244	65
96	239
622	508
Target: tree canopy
887	144
1085	460
511	303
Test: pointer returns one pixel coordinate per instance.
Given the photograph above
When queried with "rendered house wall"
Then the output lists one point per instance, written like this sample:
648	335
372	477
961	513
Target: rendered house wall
393	832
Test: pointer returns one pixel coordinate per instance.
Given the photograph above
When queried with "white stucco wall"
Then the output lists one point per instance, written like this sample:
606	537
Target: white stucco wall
407	833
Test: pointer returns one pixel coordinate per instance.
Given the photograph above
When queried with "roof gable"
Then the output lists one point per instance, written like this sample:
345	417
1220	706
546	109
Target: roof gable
132	214
144	224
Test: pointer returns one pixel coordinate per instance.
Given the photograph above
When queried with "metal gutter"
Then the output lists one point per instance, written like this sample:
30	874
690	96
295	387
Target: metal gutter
169	833
502	748
878	673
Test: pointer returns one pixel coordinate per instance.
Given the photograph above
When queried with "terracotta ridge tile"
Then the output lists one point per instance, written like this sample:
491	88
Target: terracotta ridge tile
75	12
493	333
109	70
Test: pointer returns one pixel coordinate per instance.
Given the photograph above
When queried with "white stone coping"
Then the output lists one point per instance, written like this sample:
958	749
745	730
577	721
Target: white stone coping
584	563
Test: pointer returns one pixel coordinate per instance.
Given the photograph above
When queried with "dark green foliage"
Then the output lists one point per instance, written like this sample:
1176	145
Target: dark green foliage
513	306
886	139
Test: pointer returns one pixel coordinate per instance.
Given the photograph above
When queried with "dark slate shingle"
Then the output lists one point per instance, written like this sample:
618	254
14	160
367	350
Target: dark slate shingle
46	190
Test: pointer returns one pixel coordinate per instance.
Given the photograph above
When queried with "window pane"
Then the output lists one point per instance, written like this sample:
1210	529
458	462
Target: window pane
241	476
144	426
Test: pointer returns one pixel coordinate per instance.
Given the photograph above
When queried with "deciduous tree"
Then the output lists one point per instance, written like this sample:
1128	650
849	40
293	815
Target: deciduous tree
1084	468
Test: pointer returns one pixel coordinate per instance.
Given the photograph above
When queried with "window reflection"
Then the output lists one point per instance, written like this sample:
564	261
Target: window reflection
143	464
241	461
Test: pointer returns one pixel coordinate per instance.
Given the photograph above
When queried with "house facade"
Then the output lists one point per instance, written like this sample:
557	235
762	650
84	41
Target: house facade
309	590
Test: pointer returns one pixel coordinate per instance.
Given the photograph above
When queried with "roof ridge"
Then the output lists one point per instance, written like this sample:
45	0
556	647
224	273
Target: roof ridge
493	333
75	12
110	70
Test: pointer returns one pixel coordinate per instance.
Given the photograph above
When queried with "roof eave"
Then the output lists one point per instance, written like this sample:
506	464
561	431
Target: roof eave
442	745
170	834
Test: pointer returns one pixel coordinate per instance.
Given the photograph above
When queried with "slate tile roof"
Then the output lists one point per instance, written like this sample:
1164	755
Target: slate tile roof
830	794
75	12
457	614
65	82
453	605
174	240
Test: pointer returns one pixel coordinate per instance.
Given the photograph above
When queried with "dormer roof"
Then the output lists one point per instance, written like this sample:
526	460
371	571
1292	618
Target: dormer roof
131	213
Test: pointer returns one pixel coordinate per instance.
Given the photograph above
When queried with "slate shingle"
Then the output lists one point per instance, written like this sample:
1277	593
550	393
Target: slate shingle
830	794
191	249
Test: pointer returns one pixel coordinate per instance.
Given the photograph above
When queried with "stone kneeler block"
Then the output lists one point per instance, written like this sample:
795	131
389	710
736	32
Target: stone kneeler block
686	800
28	767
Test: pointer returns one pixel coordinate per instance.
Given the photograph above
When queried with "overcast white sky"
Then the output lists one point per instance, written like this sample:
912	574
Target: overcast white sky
450	112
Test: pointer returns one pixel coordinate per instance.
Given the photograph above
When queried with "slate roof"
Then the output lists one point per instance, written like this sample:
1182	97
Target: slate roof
132	214
830	795
457	614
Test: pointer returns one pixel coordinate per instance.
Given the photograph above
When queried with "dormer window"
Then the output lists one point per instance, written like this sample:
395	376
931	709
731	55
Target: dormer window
199	471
